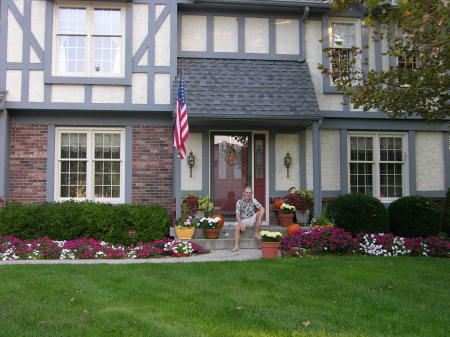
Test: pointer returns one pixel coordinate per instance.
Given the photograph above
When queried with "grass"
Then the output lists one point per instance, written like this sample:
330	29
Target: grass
340	295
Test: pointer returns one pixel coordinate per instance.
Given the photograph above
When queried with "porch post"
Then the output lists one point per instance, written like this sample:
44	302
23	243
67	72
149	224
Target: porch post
317	183
177	183
4	155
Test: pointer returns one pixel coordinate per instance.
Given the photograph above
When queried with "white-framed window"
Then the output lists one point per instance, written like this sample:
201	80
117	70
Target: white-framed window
88	39
378	164
343	35
90	164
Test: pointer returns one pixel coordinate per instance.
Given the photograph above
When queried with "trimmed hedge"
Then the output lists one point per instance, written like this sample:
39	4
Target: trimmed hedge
414	216
73	220
359	213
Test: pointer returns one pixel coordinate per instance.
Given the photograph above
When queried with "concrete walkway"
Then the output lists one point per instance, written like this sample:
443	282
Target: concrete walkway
213	256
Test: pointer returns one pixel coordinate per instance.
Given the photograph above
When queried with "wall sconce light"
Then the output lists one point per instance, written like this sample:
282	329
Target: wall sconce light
191	162
287	162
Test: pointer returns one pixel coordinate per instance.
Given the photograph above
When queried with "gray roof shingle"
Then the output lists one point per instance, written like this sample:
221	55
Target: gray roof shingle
227	87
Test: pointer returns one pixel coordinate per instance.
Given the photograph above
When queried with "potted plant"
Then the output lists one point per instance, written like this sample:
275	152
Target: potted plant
270	243
185	227
321	222
205	206
286	214
189	205
210	227
303	201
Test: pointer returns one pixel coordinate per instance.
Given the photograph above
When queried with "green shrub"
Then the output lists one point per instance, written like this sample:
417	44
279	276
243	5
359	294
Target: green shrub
414	216
446	215
358	213
72	220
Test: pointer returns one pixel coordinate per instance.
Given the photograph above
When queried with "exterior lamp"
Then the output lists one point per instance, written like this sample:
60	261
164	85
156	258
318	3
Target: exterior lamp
191	162
287	162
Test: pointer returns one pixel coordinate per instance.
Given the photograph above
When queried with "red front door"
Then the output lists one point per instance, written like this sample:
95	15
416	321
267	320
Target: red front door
230	169
259	166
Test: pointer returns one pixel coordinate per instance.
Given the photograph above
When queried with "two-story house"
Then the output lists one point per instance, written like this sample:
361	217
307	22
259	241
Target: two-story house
89	89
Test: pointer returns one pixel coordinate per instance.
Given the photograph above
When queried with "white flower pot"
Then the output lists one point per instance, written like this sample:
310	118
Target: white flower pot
302	218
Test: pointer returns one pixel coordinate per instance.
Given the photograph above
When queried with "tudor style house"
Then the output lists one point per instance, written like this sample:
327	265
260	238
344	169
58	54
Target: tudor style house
88	91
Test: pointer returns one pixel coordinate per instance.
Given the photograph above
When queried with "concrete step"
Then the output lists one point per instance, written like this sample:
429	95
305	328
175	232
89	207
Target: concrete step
228	231
222	244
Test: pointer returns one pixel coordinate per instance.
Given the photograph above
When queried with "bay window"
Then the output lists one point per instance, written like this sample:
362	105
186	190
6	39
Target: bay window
377	165
89	164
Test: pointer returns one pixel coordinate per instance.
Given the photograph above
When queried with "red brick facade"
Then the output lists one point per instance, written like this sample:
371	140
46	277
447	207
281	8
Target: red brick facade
28	163
152	175
2	202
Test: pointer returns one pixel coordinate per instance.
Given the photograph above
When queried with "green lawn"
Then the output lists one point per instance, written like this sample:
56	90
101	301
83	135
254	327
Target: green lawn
339	295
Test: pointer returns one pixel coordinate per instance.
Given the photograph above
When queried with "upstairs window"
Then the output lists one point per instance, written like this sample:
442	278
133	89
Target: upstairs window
343	38
407	62
89	41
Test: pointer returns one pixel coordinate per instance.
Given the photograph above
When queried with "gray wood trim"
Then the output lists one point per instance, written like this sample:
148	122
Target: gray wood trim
272	173
205	163
357	123
412	162
317	171
446	159
128	164
302	148
50	184
3	42
241	54
343	160
4	153
432	194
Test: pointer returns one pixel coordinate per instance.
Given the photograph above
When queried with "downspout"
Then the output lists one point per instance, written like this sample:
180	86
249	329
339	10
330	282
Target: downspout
302	56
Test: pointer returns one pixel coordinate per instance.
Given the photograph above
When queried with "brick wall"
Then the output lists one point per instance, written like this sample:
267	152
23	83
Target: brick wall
28	163
152	166
2	202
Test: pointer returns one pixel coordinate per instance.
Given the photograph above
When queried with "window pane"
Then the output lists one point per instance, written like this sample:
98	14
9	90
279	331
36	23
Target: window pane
361	178
106	21
343	35
71	54
361	149
73	179
106	54
105	146
390	180
107	179
72	20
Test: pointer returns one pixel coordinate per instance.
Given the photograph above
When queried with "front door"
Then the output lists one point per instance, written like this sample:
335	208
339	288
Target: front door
231	169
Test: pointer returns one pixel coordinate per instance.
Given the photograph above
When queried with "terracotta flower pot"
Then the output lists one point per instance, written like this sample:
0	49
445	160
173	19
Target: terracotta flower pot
185	233
211	233
285	219
269	249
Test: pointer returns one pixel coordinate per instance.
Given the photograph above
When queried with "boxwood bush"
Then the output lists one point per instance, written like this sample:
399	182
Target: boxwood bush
359	213
72	220
414	216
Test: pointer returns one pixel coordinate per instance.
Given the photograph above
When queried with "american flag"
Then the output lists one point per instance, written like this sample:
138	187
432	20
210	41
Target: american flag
181	127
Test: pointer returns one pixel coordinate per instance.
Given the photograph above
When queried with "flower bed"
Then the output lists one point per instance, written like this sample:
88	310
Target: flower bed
336	240
12	248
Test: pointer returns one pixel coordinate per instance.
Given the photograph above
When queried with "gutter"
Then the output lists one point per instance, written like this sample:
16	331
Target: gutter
286	3
302	56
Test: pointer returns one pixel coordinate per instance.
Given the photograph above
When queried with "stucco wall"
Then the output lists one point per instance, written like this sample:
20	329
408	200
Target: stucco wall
313	58
330	159
430	171
194	144
285	143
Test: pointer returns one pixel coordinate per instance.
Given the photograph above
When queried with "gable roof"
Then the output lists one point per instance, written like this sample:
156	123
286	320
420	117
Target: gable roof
248	88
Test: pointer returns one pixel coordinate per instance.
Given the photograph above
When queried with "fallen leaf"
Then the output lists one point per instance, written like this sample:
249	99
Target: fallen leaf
239	308
79	291
85	312
306	288
306	323
72	299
